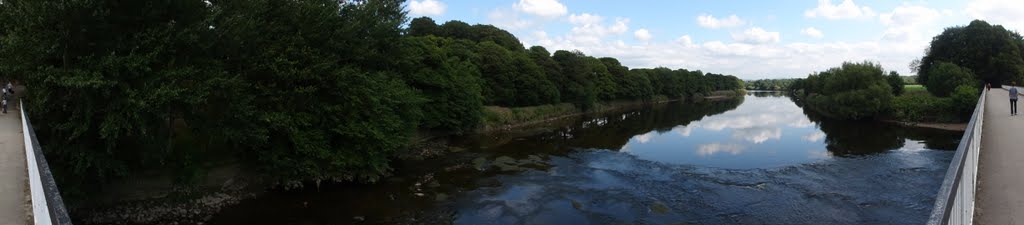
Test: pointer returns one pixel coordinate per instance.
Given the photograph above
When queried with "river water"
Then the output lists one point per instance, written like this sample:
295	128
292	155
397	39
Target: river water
760	159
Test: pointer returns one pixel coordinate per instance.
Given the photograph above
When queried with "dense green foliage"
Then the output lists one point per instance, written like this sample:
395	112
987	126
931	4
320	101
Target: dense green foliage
852	91
442	71
992	52
895	82
307	90
922	106
946	77
770	84
859	91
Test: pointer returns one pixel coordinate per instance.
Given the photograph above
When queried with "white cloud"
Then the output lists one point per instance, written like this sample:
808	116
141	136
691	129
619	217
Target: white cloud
847	9
756	35
619	26
685	41
509	19
814	137
642	35
585	18
427	7
1009	13
644	138
812	32
752	53
908	23
589	29
709	21
713	148
758	135
543	8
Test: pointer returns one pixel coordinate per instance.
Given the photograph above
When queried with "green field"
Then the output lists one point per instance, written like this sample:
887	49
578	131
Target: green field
913	88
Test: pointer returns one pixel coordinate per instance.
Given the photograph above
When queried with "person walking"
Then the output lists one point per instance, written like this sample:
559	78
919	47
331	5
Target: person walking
1013	98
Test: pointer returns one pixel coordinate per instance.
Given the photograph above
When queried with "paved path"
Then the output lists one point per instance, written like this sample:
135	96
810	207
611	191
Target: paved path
13	198
1000	196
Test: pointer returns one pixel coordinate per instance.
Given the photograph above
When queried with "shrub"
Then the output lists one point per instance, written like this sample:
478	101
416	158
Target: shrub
946	77
852	91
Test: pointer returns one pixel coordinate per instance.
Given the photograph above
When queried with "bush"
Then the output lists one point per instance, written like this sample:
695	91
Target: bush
964	99
946	77
922	106
925	107
852	91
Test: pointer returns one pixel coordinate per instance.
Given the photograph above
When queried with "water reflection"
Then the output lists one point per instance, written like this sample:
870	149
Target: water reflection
754	160
765	162
768	130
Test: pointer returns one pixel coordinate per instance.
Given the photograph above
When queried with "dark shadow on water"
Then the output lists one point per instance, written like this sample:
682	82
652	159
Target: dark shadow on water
848	138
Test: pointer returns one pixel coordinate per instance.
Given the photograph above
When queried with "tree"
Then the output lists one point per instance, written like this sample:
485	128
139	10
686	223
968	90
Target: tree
852	91
457	30
115	85
485	33
990	51
448	81
331	105
946	77
498	71
895	82
551	70
578	86
422	26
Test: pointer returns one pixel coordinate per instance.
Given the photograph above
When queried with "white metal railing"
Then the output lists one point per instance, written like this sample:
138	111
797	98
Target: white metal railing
47	204
955	201
40	214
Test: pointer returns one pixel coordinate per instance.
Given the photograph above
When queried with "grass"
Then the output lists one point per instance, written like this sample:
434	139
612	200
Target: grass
495	116
913	88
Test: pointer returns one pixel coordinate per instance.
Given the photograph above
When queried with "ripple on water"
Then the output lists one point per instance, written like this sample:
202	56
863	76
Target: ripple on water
588	187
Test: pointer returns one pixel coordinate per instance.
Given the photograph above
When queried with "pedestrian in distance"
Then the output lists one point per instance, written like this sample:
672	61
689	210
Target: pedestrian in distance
1013	98
988	86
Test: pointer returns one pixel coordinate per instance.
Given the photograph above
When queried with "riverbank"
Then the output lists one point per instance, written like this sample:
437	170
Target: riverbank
497	118
932	125
156	200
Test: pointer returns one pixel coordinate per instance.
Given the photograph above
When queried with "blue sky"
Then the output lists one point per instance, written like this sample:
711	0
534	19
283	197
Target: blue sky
749	39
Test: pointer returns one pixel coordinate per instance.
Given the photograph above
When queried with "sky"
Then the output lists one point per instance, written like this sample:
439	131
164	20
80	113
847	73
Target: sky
748	39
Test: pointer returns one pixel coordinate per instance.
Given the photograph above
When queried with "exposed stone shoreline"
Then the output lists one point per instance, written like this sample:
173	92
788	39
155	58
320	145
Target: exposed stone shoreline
193	207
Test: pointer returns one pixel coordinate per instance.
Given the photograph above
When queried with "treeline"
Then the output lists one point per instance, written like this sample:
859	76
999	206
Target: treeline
956	65
856	91
515	76
971	55
309	90
770	84
851	91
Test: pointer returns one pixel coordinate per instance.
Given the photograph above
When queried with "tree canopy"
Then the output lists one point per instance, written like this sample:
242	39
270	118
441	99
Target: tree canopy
307	90
992	52
851	91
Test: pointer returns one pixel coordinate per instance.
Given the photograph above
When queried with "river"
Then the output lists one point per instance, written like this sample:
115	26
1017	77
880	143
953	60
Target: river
760	159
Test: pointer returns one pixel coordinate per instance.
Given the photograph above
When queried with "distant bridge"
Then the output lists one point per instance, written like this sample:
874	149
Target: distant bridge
985	180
